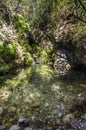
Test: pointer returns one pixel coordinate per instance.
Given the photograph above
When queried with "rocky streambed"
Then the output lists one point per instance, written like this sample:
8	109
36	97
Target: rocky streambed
37	98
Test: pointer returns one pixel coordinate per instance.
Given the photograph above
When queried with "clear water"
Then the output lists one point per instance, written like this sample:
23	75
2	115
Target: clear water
40	94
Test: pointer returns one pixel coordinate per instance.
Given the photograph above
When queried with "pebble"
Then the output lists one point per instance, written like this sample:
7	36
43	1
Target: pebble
83	126
46	104
33	117
2	127
83	117
60	115
68	118
15	127
75	124
23	122
1	110
58	121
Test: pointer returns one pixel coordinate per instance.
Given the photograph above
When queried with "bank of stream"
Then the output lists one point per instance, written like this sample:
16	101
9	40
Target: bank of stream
47	100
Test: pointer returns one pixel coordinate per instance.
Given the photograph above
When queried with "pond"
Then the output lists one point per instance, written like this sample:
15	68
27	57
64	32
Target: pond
41	95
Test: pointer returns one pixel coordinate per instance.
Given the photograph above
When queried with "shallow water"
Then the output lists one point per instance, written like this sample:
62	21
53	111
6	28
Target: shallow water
41	95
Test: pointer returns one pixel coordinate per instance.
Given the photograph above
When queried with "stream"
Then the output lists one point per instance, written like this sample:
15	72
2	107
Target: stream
48	100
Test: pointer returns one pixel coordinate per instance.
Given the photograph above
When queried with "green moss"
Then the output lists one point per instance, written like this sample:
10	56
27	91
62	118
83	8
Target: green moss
11	49
27	59
47	56
8	50
37	49
26	46
4	68
21	23
8	54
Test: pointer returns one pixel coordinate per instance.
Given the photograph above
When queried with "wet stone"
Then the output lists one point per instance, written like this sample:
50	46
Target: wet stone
83	117
60	115
23	122
15	127
68	118
82	126
2	127
58	121
75	124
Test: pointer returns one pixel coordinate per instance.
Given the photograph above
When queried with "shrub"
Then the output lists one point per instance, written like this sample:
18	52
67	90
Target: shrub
47	56
8	51
27	59
20	23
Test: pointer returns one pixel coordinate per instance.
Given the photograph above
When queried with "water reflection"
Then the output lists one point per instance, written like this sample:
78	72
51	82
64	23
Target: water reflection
40	94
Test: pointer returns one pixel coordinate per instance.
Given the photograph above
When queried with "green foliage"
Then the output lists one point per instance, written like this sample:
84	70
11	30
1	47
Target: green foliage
11	49
8	52
36	49
20	23
80	33
27	59
40	12
4	68
25	45
59	4
47	56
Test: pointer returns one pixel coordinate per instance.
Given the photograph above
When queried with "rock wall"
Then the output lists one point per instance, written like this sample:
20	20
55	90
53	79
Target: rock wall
62	40
41	38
